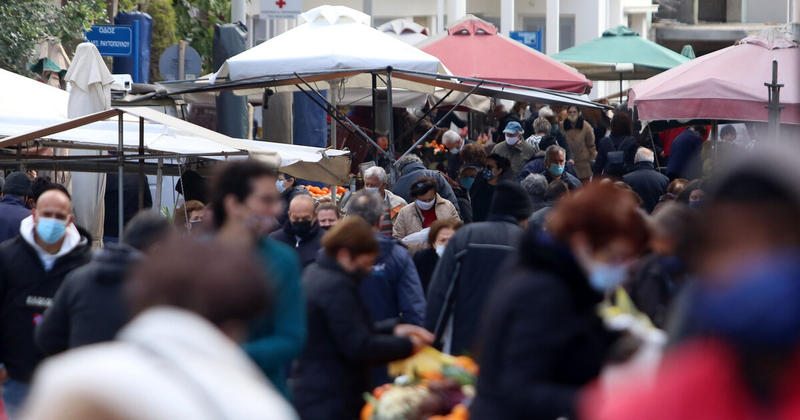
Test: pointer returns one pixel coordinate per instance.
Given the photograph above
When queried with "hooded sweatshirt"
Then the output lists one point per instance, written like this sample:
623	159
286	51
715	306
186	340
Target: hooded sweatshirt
29	279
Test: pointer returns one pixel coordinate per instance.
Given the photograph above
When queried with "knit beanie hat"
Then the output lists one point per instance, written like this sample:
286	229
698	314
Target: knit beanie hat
17	183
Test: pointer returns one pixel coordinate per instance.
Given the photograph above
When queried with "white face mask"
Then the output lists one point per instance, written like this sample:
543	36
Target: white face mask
512	140
440	250
371	189
425	205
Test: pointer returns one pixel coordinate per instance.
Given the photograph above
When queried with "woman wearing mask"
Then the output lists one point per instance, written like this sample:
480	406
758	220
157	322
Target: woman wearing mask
333	371
425	260
428	207
497	169
542	339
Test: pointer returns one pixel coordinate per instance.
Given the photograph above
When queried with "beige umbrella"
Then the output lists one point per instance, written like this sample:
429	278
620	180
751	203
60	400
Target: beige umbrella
90	92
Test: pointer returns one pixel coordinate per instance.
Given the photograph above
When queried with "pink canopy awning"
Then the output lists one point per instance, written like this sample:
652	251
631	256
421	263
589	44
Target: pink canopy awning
472	47
725	85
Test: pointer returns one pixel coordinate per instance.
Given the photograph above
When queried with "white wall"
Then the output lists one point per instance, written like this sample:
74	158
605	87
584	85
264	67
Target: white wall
766	11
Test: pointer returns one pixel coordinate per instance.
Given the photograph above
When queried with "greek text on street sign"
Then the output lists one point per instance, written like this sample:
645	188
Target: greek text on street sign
112	40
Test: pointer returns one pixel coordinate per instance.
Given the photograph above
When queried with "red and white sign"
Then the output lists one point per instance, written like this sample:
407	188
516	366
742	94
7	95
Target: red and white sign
281	8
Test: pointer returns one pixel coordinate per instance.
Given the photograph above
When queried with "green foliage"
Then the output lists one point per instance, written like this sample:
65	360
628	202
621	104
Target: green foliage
195	23
163	32
25	22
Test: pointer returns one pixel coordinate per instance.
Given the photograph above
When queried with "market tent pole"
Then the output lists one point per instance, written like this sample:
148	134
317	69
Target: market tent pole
334	113
774	104
159	181
390	121
141	163
120	174
431	130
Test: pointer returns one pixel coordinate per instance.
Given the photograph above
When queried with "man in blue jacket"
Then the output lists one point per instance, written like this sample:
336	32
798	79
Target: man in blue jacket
245	203
13	206
393	290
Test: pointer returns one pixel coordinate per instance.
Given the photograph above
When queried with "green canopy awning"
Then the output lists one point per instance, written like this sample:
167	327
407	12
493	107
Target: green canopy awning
620	52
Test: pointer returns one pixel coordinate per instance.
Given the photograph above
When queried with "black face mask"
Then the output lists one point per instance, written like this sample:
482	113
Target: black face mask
301	228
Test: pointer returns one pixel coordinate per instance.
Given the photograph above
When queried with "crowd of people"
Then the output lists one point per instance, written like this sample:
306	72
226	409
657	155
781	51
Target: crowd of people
263	302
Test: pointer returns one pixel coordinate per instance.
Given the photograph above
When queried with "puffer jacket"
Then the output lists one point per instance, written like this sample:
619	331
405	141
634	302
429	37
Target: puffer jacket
409	220
580	138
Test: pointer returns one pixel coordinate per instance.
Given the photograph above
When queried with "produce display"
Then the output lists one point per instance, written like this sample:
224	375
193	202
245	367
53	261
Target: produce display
318	192
429	386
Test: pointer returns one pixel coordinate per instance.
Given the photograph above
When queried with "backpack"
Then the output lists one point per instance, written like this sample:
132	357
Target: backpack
615	160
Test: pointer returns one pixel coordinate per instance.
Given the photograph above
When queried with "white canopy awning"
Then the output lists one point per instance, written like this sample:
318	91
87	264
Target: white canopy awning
166	136
24	97
333	40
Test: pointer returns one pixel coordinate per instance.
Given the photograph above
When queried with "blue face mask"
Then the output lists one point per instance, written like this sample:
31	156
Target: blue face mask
556	169
50	230
467	182
279	185
605	277
487	174
696	204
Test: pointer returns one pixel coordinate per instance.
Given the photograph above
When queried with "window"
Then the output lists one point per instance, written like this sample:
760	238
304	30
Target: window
566	32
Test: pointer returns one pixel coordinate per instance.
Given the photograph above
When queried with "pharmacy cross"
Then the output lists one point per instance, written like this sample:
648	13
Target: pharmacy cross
280	3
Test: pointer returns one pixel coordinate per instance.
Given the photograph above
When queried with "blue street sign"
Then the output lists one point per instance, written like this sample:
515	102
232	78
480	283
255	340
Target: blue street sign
532	39
113	40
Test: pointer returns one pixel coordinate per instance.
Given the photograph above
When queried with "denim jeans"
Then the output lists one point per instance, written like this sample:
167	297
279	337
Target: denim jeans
14	394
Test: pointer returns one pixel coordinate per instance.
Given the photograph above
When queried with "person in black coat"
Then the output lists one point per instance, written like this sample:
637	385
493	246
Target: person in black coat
333	370
541	339
287	186
438	237
89	307
301	230
465	272
615	152
498	169
130	202
32	267
645	180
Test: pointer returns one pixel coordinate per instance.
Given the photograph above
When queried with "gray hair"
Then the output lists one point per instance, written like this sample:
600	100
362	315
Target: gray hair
366	205
541	125
535	185
450	138
644	154
376	171
546	111
405	160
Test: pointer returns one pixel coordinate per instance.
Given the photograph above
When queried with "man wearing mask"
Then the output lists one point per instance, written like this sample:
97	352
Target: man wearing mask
517	151
33	264
454	143
288	189
301	231
580	138
327	215
244	205
393	289
375	180
555	160
13	206
466	269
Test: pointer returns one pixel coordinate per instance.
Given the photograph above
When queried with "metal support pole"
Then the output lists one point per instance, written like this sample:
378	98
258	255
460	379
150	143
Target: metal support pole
774	104
334	113
374	102
159	182
433	128
390	122
120	175
142	178
620	88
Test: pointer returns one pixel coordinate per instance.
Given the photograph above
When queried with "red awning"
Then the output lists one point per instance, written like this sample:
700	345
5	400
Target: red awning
474	48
